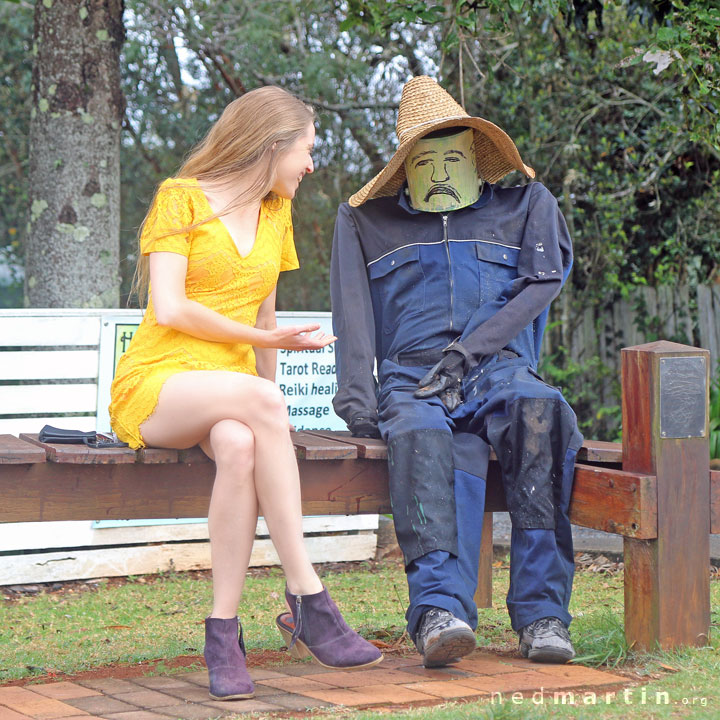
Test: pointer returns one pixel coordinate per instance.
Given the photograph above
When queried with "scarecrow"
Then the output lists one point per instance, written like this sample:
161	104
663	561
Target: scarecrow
441	283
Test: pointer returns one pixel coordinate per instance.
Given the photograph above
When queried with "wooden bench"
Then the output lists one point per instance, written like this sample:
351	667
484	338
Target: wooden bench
56	366
655	490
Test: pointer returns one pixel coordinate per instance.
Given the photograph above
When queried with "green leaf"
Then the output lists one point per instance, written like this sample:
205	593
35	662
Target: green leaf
667	34
347	23
465	22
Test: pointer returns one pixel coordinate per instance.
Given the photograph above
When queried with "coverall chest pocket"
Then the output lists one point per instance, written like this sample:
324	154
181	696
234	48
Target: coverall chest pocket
398	282
497	268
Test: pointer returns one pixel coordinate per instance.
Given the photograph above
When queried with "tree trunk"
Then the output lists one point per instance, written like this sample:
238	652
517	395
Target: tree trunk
72	251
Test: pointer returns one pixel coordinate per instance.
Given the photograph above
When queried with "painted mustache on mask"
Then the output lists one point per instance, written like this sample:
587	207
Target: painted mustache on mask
442	190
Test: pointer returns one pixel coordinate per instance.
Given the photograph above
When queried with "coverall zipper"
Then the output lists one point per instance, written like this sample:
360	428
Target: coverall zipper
452	291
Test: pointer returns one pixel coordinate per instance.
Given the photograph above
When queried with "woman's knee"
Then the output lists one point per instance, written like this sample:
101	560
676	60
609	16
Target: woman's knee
233	443
267	404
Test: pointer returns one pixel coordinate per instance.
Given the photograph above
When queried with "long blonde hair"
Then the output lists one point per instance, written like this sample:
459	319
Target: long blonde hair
245	144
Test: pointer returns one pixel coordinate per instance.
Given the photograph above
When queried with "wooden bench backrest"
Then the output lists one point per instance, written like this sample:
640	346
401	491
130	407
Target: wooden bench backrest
56	367
49	368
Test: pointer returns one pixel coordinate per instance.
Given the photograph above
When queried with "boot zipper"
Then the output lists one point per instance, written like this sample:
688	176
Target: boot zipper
452	282
298	620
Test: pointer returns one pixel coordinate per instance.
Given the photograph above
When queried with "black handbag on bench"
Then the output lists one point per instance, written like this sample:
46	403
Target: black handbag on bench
50	434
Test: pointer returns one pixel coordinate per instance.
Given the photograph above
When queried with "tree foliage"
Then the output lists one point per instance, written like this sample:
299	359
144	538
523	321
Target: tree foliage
613	140
685	44
683	33
185	61
625	149
632	154
16	102
614	103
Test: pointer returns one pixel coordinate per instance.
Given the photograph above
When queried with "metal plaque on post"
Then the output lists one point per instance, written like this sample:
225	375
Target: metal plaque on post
683	392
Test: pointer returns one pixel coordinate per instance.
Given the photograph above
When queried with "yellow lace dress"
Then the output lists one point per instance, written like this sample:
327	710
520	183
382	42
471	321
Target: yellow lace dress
218	277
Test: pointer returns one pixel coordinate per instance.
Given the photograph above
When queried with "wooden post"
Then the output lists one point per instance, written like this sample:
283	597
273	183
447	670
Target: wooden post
665	433
483	592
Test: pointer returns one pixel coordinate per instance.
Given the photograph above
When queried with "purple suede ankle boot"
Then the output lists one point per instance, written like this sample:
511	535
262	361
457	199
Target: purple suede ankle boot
318	629
225	660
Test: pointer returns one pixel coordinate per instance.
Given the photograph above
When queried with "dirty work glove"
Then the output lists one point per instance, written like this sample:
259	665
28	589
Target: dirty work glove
444	380
452	397
364	427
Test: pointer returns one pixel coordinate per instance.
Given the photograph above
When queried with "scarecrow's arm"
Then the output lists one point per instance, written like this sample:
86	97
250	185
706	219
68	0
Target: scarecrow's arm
353	323
543	265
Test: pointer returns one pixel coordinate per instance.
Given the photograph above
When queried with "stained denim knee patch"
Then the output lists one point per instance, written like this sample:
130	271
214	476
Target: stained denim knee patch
420	464
531	443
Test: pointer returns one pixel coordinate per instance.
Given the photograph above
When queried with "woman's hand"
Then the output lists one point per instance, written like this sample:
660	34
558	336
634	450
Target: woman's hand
298	337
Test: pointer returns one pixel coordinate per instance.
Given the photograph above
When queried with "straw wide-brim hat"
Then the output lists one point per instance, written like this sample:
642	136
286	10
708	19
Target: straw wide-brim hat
426	107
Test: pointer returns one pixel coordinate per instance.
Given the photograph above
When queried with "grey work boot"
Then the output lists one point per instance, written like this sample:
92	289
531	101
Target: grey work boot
442	638
546	640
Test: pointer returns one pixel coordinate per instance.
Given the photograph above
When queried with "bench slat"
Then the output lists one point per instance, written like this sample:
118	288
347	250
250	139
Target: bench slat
151	456
375	449
17	426
309	446
14	451
369	448
600	451
615	501
26	399
65	491
193	455
167	557
49	365
31	330
82	534
603	498
77	454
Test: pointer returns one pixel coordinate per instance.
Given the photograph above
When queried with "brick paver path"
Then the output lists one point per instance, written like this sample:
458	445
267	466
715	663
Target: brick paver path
299	686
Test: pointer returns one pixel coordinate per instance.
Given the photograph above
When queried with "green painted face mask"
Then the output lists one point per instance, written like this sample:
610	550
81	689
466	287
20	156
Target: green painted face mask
442	173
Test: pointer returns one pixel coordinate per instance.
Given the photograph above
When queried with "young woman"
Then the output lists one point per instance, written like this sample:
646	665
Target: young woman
201	366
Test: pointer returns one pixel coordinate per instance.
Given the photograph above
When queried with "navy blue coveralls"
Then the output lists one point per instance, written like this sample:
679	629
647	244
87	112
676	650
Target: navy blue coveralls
404	284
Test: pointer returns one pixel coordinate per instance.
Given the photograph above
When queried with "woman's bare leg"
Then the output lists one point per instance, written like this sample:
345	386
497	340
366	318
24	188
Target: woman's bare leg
191	404
233	512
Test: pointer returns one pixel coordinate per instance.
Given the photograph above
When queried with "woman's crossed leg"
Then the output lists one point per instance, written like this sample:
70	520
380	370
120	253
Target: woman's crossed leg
241	422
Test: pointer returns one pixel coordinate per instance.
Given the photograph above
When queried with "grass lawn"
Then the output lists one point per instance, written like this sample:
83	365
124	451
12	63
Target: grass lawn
83	626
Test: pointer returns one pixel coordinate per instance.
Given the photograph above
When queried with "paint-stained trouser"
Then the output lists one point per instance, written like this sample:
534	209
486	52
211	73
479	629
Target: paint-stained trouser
438	467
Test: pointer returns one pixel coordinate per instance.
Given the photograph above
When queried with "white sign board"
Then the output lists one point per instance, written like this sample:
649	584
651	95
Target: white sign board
116	331
307	378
